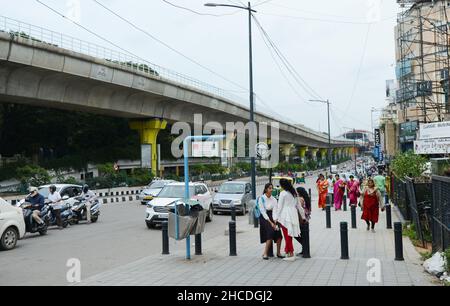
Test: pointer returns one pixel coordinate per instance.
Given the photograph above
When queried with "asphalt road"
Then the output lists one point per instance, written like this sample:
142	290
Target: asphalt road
119	237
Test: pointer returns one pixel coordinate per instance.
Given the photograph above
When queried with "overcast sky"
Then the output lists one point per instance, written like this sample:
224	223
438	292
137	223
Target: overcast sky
323	40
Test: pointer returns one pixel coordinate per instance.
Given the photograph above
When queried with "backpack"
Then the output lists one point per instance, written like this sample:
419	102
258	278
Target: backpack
257	211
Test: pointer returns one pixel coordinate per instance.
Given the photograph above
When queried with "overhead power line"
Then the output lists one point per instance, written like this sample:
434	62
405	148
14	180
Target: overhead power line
198	13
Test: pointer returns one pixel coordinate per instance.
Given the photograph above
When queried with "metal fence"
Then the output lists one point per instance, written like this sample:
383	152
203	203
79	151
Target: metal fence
399	196
440	212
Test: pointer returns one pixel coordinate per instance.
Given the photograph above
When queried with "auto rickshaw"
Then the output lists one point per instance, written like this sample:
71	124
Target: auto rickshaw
276	185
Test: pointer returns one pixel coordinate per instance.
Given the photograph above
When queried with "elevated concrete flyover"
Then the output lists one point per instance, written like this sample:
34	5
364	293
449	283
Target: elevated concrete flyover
35	72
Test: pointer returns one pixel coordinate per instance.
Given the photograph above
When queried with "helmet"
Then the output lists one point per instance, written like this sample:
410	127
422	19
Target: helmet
52	188
85	188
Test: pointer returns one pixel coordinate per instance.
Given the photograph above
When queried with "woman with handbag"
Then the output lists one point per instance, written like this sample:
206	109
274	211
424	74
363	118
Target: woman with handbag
269	231
371	202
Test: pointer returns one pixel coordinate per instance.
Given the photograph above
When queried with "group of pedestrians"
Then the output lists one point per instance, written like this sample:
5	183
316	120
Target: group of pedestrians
282	219
370	194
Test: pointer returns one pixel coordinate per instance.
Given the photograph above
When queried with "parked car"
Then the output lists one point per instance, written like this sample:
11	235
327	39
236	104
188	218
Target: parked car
12	225
68	192
151	191
158	208
229	194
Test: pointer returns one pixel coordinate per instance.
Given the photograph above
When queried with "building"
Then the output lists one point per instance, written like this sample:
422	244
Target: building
422	56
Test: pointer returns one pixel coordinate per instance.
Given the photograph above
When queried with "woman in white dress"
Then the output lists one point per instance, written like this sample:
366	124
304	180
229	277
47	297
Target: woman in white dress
287	216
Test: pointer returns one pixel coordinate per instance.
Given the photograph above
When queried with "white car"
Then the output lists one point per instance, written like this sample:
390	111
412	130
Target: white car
67	191
12	225
158	209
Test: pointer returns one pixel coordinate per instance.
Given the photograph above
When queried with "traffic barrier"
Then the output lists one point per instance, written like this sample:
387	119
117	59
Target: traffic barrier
398	232
344	241
328	215
305	240
388	217
353	209
198	244
232	234
165	238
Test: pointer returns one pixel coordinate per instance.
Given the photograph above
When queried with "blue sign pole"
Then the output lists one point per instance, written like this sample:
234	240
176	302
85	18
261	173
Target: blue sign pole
186	183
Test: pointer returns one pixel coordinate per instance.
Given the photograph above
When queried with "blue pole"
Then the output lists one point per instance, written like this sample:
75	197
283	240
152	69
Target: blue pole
186	191
186	183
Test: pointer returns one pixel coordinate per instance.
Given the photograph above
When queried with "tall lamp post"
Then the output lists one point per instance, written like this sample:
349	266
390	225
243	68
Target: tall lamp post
252	105
327	102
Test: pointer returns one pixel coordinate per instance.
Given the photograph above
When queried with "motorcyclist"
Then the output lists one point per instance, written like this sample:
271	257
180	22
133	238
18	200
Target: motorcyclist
90	197
55	200
37	202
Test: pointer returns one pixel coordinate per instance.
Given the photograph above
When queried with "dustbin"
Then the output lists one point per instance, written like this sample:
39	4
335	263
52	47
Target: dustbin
192	224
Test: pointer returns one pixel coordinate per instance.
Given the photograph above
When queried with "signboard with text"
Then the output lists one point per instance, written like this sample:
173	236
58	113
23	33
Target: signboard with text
435	130
205	149
432	146
146	156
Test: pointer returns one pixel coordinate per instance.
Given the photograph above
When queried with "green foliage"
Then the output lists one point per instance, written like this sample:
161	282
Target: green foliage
109	178
426	255
447	257
409	164
33	175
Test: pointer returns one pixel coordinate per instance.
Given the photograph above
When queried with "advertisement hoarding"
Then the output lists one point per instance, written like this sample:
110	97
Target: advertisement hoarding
432	146
435	130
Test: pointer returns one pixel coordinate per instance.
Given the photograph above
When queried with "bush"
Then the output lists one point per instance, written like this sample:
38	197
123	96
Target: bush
33	175
447	257
409	164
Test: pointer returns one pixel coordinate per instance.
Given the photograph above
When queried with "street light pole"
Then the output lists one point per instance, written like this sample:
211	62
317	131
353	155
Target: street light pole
252	104
327	102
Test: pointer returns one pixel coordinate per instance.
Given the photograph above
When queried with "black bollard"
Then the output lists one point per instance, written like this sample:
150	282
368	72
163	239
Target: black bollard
198	244
309	192
345	203
328	216
233	213
305	240
165	238
232	233
388	216
398	232
353	209
255	222
344	240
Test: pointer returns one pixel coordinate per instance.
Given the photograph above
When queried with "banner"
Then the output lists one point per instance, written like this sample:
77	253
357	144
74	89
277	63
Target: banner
377	138
432	146
435	130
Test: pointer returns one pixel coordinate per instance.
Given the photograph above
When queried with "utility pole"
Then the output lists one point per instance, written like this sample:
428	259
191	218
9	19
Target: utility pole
327	102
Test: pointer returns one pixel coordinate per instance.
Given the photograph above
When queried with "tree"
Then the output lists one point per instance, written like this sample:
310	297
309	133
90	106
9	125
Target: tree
409	164
32	175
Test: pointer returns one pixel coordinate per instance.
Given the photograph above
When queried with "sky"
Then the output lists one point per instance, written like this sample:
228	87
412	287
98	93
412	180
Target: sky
344	50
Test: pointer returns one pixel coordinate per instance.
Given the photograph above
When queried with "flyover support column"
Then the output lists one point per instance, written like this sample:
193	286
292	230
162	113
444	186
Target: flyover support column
323	156
314	152
287	148
302	153
148	131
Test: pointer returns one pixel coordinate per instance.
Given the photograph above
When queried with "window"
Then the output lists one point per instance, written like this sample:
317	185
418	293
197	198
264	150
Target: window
204	189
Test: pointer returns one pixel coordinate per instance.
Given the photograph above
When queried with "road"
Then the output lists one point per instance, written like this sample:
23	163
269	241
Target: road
119	237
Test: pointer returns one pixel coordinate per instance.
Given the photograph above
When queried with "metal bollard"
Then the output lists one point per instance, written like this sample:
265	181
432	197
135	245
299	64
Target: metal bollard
233	213
344	240
165	238
388	217
398	232
255	222
328	216
345	202
198	244
353	209
309	192
232	233
305	242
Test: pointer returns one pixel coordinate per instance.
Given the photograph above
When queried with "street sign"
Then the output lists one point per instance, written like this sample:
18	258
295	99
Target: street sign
146	156
205	149
262	150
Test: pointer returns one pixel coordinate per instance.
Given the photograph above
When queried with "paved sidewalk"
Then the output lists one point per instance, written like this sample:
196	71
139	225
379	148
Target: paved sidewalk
216	268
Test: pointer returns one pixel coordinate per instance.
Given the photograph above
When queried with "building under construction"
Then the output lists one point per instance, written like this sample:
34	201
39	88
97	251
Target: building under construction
423	61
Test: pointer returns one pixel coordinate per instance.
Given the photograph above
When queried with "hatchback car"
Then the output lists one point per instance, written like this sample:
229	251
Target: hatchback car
12	225
151	191
229	194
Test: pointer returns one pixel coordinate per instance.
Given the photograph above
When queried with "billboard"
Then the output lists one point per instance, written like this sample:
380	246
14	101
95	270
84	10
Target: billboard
146	156
206	149
432	146
434	130
408	131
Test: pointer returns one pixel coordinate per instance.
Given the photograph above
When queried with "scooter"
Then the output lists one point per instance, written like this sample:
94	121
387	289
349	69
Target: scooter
79	212
65	211
30	225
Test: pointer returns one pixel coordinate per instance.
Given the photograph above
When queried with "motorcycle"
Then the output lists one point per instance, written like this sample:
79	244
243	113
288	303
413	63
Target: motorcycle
30	225
79	212
65	211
